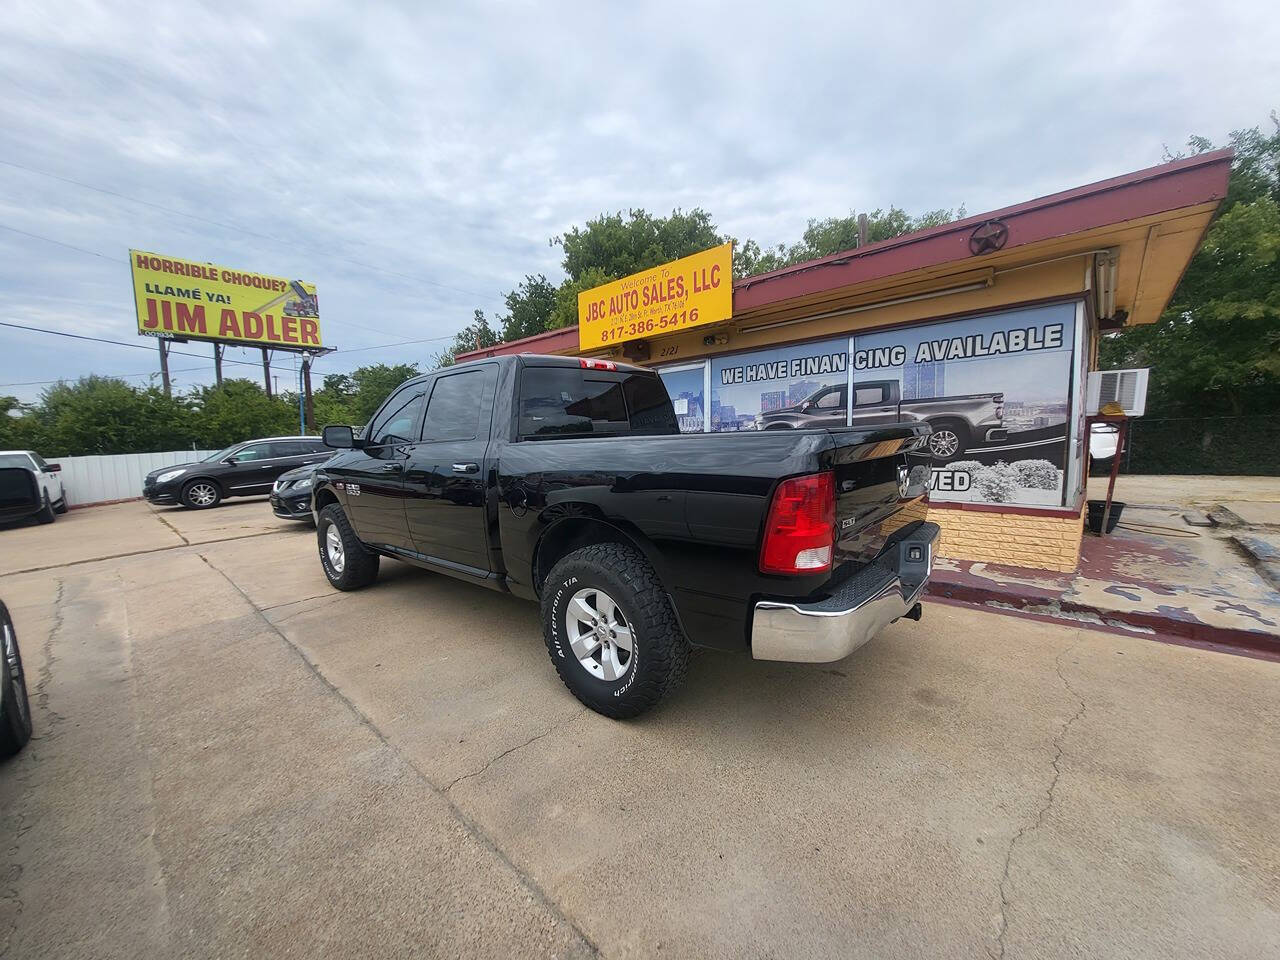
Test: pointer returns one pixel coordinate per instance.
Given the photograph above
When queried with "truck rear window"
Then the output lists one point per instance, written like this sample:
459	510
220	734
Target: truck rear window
571	402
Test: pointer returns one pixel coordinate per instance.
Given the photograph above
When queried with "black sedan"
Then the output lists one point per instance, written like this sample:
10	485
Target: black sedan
291	495
242	470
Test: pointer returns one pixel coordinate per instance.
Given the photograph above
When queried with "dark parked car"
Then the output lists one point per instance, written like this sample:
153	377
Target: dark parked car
291	495
15	709
241	470
22	496
567	481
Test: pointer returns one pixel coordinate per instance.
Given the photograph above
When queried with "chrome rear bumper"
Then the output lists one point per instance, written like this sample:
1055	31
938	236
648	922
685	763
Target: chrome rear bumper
861	607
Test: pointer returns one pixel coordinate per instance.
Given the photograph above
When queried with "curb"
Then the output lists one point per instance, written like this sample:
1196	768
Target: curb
1251	643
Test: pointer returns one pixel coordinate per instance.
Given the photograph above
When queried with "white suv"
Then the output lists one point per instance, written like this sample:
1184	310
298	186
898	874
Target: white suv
47	475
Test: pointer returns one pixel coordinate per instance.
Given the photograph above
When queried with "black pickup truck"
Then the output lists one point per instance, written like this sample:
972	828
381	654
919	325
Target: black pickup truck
566	481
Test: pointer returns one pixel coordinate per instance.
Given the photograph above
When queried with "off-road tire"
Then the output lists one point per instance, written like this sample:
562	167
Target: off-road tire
46	514
660	652
61	505
360	564
15	708
192	505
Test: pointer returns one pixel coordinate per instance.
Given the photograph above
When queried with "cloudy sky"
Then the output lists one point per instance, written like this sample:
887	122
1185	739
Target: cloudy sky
412	160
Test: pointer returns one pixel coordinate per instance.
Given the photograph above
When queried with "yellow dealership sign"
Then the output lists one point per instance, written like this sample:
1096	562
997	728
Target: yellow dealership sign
676	296
183	299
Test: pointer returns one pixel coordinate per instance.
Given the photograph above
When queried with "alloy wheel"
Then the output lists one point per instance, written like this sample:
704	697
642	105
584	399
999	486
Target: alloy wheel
202	494
13	663
943	443
599	634
333	547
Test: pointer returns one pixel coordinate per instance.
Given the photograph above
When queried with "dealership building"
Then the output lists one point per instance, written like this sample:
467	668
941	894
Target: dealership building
986	327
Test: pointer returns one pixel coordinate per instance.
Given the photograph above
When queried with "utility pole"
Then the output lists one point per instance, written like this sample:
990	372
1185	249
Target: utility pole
862	230
309	420
217	362
164	366
266	370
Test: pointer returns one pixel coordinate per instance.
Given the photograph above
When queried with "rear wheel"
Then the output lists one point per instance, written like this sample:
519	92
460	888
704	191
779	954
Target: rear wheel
15	708
201	494
347	563
949	439
610	630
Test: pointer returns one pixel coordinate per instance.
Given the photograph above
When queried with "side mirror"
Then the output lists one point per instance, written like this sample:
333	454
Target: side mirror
341	438
53	467
1103	440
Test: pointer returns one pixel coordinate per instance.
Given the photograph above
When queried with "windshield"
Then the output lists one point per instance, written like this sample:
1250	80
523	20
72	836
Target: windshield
221	454
14	460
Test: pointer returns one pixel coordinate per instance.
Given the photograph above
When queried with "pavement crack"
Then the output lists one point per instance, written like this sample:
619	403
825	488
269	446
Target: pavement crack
519	746
134	553
997	952
472	828
46	667
176	532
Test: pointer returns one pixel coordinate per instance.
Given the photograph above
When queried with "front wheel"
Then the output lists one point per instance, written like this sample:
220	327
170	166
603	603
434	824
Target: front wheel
201	494
610	630
15	708
347	563
46	511
61	505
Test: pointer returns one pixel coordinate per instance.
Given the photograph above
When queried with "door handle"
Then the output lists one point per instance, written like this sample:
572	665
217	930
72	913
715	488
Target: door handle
391	467
466	468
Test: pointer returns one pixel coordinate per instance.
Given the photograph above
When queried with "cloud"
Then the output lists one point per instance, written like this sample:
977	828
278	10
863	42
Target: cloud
446	143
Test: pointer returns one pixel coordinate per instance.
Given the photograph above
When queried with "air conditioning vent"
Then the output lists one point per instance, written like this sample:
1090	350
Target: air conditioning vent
1128	388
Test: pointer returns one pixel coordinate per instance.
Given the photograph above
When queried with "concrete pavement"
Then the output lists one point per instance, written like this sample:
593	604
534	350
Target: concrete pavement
234	759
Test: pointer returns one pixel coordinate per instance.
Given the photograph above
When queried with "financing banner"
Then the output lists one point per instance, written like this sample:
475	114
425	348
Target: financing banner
182	299
997	391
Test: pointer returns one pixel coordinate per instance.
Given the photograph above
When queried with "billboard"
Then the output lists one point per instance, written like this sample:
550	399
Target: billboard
182	299
690	292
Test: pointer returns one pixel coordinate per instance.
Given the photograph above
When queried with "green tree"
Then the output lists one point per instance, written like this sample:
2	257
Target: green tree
374	384
475	335
1216	349
102	415
618	244
240	410
822	238
529	308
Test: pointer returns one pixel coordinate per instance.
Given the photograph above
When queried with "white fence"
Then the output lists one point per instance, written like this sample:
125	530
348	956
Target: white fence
89	480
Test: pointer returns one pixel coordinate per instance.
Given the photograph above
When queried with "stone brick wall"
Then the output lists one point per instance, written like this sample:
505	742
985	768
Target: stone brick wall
1021	540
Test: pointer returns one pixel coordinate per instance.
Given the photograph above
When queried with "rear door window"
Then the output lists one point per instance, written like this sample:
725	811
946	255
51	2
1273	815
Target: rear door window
572	402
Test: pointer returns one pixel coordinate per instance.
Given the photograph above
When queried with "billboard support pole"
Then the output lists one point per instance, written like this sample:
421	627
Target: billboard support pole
266	370
309	410
164	365
217	363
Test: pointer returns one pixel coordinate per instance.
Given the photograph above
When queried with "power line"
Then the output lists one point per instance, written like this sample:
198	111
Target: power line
110	376
116	343
228	226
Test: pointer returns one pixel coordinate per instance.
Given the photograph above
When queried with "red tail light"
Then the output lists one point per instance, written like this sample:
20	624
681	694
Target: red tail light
588	364
800	534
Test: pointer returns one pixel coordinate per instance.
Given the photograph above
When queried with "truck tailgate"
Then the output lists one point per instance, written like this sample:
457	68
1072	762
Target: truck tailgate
879	488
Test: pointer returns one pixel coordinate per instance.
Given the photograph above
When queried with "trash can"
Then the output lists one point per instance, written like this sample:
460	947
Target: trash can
1096	509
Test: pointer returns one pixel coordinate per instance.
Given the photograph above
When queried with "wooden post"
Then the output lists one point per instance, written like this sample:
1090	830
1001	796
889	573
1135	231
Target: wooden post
266	370
164	366
217	362
862	230
309	407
